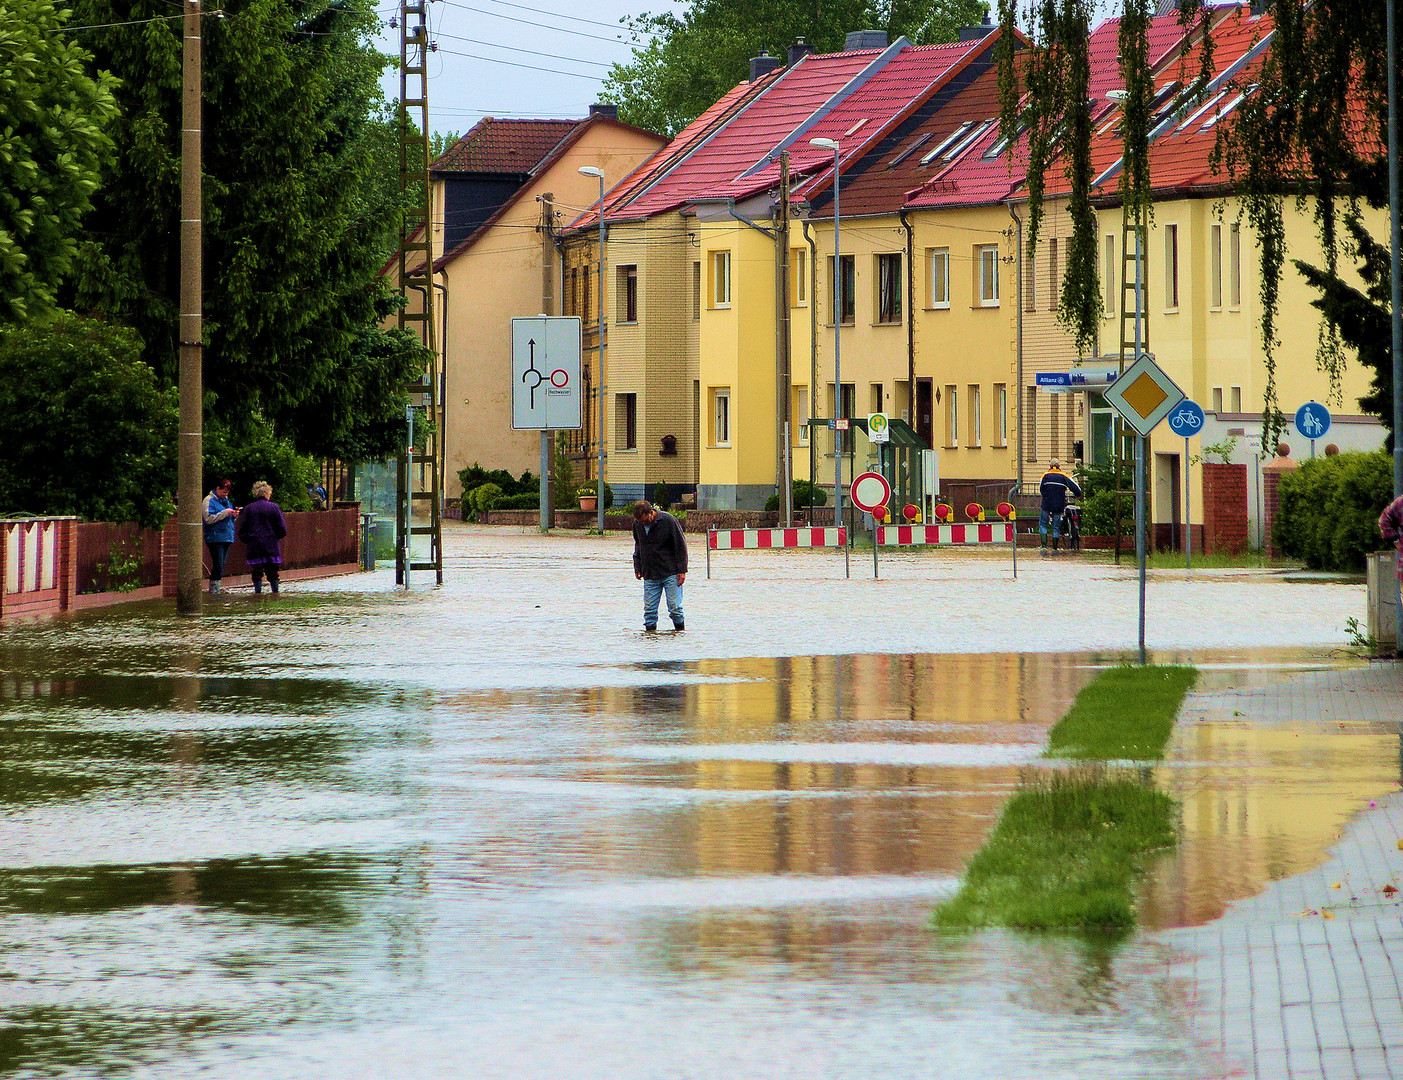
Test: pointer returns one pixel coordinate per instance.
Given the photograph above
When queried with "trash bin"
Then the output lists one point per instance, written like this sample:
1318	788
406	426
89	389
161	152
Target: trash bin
367	541
1382	599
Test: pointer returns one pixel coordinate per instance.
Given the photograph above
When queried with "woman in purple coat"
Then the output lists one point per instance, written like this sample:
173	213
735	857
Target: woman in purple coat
261	526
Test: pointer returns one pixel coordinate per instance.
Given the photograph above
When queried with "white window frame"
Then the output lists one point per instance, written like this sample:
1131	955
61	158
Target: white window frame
799	268
720	416
952	416
987	269
801	414
696	290
893	263
939	262
976	428
1171	267
1234	266
1108	257
721	279
1001	404
1215	267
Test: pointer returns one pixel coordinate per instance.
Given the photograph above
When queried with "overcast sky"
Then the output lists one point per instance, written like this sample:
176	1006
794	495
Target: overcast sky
526	58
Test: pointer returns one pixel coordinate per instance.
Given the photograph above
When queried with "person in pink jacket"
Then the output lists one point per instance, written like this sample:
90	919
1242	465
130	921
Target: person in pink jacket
1391	525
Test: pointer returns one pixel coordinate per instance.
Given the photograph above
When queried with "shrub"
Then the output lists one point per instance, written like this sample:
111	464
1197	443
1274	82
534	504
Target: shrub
525	501
485	497
660	496
1329	510
563	472
590	487
474	476
802	490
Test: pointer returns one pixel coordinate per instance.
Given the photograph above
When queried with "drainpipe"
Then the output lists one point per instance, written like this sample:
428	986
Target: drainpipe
812	241
910	316
1018	309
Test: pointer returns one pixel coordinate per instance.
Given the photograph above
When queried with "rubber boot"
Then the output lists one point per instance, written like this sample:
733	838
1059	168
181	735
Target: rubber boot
1054	543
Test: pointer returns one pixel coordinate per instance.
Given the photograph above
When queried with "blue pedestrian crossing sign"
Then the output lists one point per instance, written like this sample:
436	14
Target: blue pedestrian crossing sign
1312	420
1186	419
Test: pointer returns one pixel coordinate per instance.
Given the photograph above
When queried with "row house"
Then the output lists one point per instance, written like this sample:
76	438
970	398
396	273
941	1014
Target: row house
721	314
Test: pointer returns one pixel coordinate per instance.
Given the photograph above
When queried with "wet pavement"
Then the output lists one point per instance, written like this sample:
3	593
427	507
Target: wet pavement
493	830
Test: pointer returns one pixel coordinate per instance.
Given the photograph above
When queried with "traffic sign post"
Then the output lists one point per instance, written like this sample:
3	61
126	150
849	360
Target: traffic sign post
546	385
1313	421
1143	396
871	492
878	427
1187	420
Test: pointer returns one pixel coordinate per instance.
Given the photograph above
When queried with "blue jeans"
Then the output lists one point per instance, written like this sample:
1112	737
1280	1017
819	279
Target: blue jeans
654	588
218	555
1056	518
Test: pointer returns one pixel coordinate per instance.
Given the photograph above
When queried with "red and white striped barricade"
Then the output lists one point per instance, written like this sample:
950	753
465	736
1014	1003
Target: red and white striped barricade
752	539
977	532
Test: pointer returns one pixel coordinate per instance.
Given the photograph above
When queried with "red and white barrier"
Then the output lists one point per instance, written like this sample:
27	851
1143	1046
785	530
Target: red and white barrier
739	539
983	532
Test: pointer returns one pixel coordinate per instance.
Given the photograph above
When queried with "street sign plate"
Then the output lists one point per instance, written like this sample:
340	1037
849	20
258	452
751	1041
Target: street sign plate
1312	420
870	491
878	427
1186	420
1144	395
546	387
1052	378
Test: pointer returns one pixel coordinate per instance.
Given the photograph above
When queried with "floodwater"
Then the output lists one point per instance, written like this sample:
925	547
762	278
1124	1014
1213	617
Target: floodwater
490	830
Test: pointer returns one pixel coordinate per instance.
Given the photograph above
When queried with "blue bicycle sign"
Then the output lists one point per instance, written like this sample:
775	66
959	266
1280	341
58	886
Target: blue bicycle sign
1186	419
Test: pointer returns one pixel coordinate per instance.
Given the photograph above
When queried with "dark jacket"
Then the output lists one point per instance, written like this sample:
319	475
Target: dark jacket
1054	487
261	526
659	550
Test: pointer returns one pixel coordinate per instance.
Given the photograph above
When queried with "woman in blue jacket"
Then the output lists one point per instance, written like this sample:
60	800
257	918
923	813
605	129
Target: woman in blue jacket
219	514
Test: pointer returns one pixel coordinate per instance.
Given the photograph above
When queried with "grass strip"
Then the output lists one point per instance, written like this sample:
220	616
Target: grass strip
1072	843
1125	714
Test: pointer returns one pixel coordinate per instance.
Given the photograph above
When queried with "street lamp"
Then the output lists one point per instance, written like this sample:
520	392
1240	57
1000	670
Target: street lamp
832	144
590	170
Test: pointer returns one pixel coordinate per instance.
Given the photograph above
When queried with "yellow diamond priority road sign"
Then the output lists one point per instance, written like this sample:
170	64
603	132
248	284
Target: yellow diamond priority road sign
1144	395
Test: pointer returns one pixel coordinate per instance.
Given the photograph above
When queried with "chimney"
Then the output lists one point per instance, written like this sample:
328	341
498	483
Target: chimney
762	65
798	51
606	109
865	39
977	33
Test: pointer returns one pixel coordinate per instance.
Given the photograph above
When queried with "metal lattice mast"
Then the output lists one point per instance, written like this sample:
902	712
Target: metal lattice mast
1134	339
420	474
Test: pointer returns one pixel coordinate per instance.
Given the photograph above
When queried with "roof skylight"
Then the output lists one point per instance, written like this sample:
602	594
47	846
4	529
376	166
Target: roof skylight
911	147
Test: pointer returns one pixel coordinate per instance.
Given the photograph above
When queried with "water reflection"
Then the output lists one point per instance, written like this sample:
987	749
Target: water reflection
222	861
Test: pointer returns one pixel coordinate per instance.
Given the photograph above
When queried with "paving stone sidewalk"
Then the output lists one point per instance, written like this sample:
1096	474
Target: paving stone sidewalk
1305	981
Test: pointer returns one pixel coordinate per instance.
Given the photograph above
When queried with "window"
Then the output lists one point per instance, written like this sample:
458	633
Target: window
1235	398
952	416
626	294
874	398
911	147
949	141
1054	275
799	277
1030	283
939	277
975	426
1109	269
1171	266
585	275
570	287
721	279
1217	399
1030	424
889	288
800	420
721	416
1001	413
1234	266
626	421
846	407
696	290
845	287
1054	447
987	265
1215	266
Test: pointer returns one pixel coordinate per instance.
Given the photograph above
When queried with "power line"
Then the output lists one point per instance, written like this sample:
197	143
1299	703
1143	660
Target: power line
554	14
542	26
512	63
530	52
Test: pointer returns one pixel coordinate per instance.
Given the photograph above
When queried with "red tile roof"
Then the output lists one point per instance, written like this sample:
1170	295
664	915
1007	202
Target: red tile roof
504	146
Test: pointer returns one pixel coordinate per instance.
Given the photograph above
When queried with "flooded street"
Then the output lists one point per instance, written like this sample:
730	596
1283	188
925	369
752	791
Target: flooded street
491	830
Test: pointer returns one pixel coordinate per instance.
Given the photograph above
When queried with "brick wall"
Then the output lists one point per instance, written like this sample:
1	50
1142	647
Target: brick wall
1224	508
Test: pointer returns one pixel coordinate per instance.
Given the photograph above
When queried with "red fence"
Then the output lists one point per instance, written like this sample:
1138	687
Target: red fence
49	565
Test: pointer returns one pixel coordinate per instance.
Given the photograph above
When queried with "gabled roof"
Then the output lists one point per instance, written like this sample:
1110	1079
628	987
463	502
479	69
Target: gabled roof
578	130
731	152
513	147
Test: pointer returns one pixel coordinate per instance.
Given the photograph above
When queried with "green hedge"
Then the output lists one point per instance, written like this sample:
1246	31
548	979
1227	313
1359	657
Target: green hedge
1328	516
802	489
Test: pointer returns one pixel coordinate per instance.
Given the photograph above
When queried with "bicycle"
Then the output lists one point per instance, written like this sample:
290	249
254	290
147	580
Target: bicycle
1071	526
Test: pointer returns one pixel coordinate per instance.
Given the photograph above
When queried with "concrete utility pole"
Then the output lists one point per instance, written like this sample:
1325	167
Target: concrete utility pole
597	173
784	460
1395	232
547	308
189	523
838	410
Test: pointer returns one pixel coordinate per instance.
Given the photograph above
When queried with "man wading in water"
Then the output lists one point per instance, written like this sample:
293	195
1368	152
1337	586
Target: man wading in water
660	562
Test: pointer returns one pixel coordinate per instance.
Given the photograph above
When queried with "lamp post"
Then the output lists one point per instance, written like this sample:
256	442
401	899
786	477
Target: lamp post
833	144
590	170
